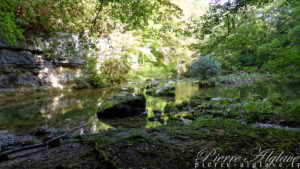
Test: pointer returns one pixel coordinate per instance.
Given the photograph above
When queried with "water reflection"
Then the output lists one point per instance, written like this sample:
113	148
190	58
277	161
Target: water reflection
65	111
128	122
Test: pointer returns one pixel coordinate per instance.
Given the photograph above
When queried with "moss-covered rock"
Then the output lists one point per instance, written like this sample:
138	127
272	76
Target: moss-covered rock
176	144
162	92
151	84
124	107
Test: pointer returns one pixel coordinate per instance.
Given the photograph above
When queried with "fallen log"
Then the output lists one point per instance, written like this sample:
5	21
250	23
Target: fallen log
4	154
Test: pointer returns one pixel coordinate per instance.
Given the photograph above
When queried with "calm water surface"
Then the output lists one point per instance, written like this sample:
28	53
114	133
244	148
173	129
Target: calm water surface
66	110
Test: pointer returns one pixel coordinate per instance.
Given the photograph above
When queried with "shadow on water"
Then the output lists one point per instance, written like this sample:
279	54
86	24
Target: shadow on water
67	110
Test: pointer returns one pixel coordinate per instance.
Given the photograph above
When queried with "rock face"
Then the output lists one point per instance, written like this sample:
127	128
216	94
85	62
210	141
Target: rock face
22	67
14	66
124	107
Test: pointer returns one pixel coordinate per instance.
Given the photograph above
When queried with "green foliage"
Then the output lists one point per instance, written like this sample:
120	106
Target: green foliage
111	71
93	77
148	38
286	65
115	69
293	113
81	83
106	105
157	72
204	67
274	107
250	69
147	24
251	35
9	30
94	16
294	35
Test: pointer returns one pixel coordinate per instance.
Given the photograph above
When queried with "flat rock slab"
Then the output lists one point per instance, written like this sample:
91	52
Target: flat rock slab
9	139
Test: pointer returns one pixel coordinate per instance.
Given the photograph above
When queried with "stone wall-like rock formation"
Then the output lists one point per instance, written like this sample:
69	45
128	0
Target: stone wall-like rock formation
26	67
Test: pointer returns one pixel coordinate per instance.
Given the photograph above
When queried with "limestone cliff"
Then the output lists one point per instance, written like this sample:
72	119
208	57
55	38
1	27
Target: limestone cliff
27	68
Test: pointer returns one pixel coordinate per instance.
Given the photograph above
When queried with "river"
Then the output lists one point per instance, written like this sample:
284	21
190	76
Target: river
66	110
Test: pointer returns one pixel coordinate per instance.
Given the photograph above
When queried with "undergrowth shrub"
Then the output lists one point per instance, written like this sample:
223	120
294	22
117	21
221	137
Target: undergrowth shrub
204	67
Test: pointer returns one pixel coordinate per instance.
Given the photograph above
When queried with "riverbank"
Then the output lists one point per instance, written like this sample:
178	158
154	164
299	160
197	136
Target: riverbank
175	145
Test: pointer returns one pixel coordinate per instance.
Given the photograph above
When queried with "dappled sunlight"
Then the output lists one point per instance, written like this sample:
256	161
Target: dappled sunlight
49	76
55	82
45	114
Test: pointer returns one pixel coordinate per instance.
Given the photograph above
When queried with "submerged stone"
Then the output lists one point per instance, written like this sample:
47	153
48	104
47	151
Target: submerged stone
159	119
204	84
124	107
166	91
127	88
151	84
169	84
157	111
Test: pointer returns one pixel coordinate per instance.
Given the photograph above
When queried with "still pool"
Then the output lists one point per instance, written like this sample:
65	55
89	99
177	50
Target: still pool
64	111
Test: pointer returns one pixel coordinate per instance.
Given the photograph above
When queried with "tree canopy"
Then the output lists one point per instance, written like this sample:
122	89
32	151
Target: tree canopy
151	36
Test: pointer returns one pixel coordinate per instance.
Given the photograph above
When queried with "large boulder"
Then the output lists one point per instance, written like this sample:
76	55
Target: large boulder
123	107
